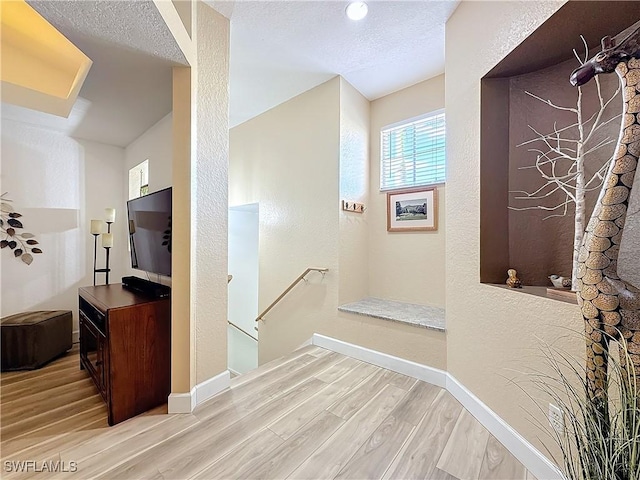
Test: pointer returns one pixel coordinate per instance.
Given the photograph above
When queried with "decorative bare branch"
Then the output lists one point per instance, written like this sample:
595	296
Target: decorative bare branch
551	104
562	158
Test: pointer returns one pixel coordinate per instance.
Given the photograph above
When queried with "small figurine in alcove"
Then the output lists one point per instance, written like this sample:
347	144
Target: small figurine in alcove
560	282
513	280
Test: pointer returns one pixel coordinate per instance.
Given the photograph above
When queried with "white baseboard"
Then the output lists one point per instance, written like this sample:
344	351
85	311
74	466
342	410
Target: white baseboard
182	402
400	365
538	464
187	402
207	389
75	336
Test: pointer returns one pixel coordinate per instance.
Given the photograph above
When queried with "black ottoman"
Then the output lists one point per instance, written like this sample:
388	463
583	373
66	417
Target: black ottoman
31	339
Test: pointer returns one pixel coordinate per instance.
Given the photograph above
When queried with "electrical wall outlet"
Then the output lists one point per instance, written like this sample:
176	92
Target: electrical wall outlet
556	418
352	207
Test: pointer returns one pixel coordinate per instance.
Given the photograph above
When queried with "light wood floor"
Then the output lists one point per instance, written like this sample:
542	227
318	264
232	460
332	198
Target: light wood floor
313	414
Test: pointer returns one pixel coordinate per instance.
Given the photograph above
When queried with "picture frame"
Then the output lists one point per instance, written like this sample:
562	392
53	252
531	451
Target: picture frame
412	210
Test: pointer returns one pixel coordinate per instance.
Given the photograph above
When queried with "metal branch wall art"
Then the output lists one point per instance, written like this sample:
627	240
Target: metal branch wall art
22	244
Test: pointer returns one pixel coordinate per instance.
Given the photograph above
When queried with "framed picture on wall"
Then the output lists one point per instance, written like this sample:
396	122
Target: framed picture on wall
412	210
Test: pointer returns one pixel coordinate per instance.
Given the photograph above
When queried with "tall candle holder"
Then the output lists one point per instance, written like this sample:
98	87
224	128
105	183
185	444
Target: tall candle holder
107	242
95	251
96	229
107	269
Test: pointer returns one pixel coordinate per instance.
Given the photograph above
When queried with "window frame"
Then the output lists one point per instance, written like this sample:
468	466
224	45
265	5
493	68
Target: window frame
143	189
404	122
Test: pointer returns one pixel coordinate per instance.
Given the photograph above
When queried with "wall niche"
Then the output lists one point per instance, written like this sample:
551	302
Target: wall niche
521	239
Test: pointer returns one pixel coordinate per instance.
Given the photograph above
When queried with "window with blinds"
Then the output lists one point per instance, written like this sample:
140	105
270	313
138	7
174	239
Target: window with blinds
413	154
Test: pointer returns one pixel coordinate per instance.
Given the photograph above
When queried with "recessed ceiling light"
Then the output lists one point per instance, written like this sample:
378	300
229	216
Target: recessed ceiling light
357	10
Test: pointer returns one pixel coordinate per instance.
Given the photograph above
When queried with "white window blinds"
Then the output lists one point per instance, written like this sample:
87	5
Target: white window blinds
413	154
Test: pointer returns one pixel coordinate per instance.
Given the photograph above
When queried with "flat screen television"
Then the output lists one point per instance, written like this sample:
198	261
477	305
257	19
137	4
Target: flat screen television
150	232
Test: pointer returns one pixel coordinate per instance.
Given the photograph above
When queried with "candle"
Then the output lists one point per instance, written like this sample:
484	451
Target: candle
107	240
96	227
110	214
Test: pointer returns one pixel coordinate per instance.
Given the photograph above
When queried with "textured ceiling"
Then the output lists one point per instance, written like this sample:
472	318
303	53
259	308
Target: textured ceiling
280	49
132	25
128	88
127	93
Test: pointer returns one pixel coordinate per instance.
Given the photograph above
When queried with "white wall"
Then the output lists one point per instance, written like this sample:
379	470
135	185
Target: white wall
298	161
492	333
287	161
155	145
103	188
210	201
357	260
59	184
200	159
405	266
243	288
354	187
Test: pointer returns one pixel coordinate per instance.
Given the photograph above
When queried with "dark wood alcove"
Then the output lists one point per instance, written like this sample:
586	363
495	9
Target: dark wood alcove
541	64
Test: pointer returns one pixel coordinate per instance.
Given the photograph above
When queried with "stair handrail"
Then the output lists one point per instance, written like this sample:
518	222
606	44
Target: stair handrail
322	270
241	329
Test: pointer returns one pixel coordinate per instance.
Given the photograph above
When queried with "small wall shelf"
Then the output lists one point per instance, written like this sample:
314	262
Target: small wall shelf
536	291
541	64
423	316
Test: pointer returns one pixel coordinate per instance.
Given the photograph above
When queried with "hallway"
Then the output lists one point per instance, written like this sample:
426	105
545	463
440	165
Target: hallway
312	414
